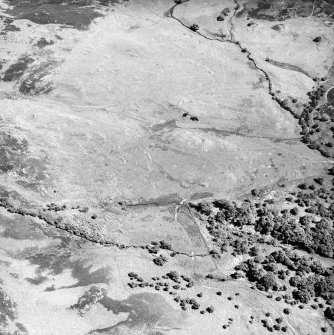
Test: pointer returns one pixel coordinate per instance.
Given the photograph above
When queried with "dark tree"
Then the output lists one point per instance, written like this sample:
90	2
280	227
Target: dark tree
303	295
268	281
194	27
329	313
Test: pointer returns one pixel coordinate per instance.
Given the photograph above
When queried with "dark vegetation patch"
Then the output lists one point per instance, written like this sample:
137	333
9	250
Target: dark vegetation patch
33	185
288	66
171	124
90	298
37	280
74	13
10	151
305	223
43	42
307	277
312	231
7	308
17	69
164	200
57	259
317	123
201	195
330	97
14	157
272	11
35	82
143	308
16	229
55	13
278	27
147	309
8	316
108	2
8	25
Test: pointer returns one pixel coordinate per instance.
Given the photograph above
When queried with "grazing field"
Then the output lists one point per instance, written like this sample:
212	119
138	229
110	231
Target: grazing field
166	167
